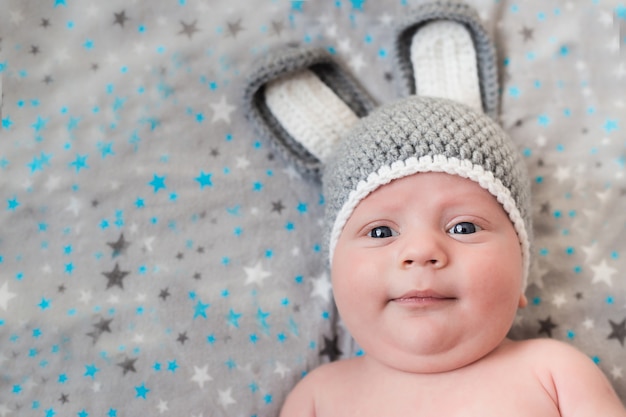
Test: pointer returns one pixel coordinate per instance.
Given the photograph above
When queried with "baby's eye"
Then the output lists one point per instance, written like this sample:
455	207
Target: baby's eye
382	232
464	228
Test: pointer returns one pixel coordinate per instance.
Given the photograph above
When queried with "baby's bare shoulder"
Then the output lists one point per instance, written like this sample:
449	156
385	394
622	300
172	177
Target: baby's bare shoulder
579	384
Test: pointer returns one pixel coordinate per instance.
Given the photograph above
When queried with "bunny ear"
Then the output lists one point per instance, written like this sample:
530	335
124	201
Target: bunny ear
302	101
442	50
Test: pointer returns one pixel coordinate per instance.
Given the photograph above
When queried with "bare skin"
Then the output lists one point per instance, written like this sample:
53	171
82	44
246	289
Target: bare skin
427	276
535	378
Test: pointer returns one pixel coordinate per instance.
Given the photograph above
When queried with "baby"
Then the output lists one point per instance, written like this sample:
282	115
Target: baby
429	244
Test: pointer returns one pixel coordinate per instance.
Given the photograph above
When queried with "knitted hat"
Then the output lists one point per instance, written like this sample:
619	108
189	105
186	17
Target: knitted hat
421	134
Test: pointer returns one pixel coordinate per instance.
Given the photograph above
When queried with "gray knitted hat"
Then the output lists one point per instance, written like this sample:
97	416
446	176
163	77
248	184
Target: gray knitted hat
321	120
421	134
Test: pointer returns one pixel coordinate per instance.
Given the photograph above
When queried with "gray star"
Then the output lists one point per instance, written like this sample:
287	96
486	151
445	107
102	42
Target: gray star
182	338
619	331
278	206
277	27
120	18
45	23
128	365
331	349
34	49
65	398
99	328
527	33
235	28
164	293
120	246
116	277
547	326
48	79
189	28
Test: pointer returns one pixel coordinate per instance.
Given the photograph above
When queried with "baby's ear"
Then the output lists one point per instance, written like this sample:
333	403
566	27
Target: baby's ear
442	50
303	101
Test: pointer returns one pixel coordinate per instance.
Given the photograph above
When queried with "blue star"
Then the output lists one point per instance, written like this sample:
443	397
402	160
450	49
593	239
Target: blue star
142	391
543	120
50	412
158	183
112	413
13	204
233	318
60	3
39	124
262	319
79	163
91	371
296	5
44	304
610	125
200	309
302	207
172	366
204	179
83	413
357	4
6	122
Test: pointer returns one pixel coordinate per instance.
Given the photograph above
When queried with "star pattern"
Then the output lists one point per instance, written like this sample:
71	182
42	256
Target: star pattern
157	256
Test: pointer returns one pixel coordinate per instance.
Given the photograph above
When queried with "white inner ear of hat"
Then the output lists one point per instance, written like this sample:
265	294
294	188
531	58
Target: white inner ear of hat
309	111
444	63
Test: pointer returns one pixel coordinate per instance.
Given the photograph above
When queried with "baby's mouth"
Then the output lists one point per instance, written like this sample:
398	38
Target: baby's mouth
422	297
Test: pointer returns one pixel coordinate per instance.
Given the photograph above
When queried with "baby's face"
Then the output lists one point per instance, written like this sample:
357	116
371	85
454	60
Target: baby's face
427	273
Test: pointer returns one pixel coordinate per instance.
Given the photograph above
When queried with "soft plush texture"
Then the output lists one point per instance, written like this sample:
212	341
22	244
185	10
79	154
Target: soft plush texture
159	257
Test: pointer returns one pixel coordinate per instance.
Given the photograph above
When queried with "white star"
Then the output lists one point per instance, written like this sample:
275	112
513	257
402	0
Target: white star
605	18
281	369
138	338
356	62
616	372
256	274
96	387
590	251
162	407
344	45
147	243
558	300
541	141
385	19
331	31
222	111
139	48
5	296
242	162
74	206
562	173
603	273
603	195
85	297
4	410
321	287
52	183
295	251
113	299
226	397
292	173
588	323
92	10
16	17
201	375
